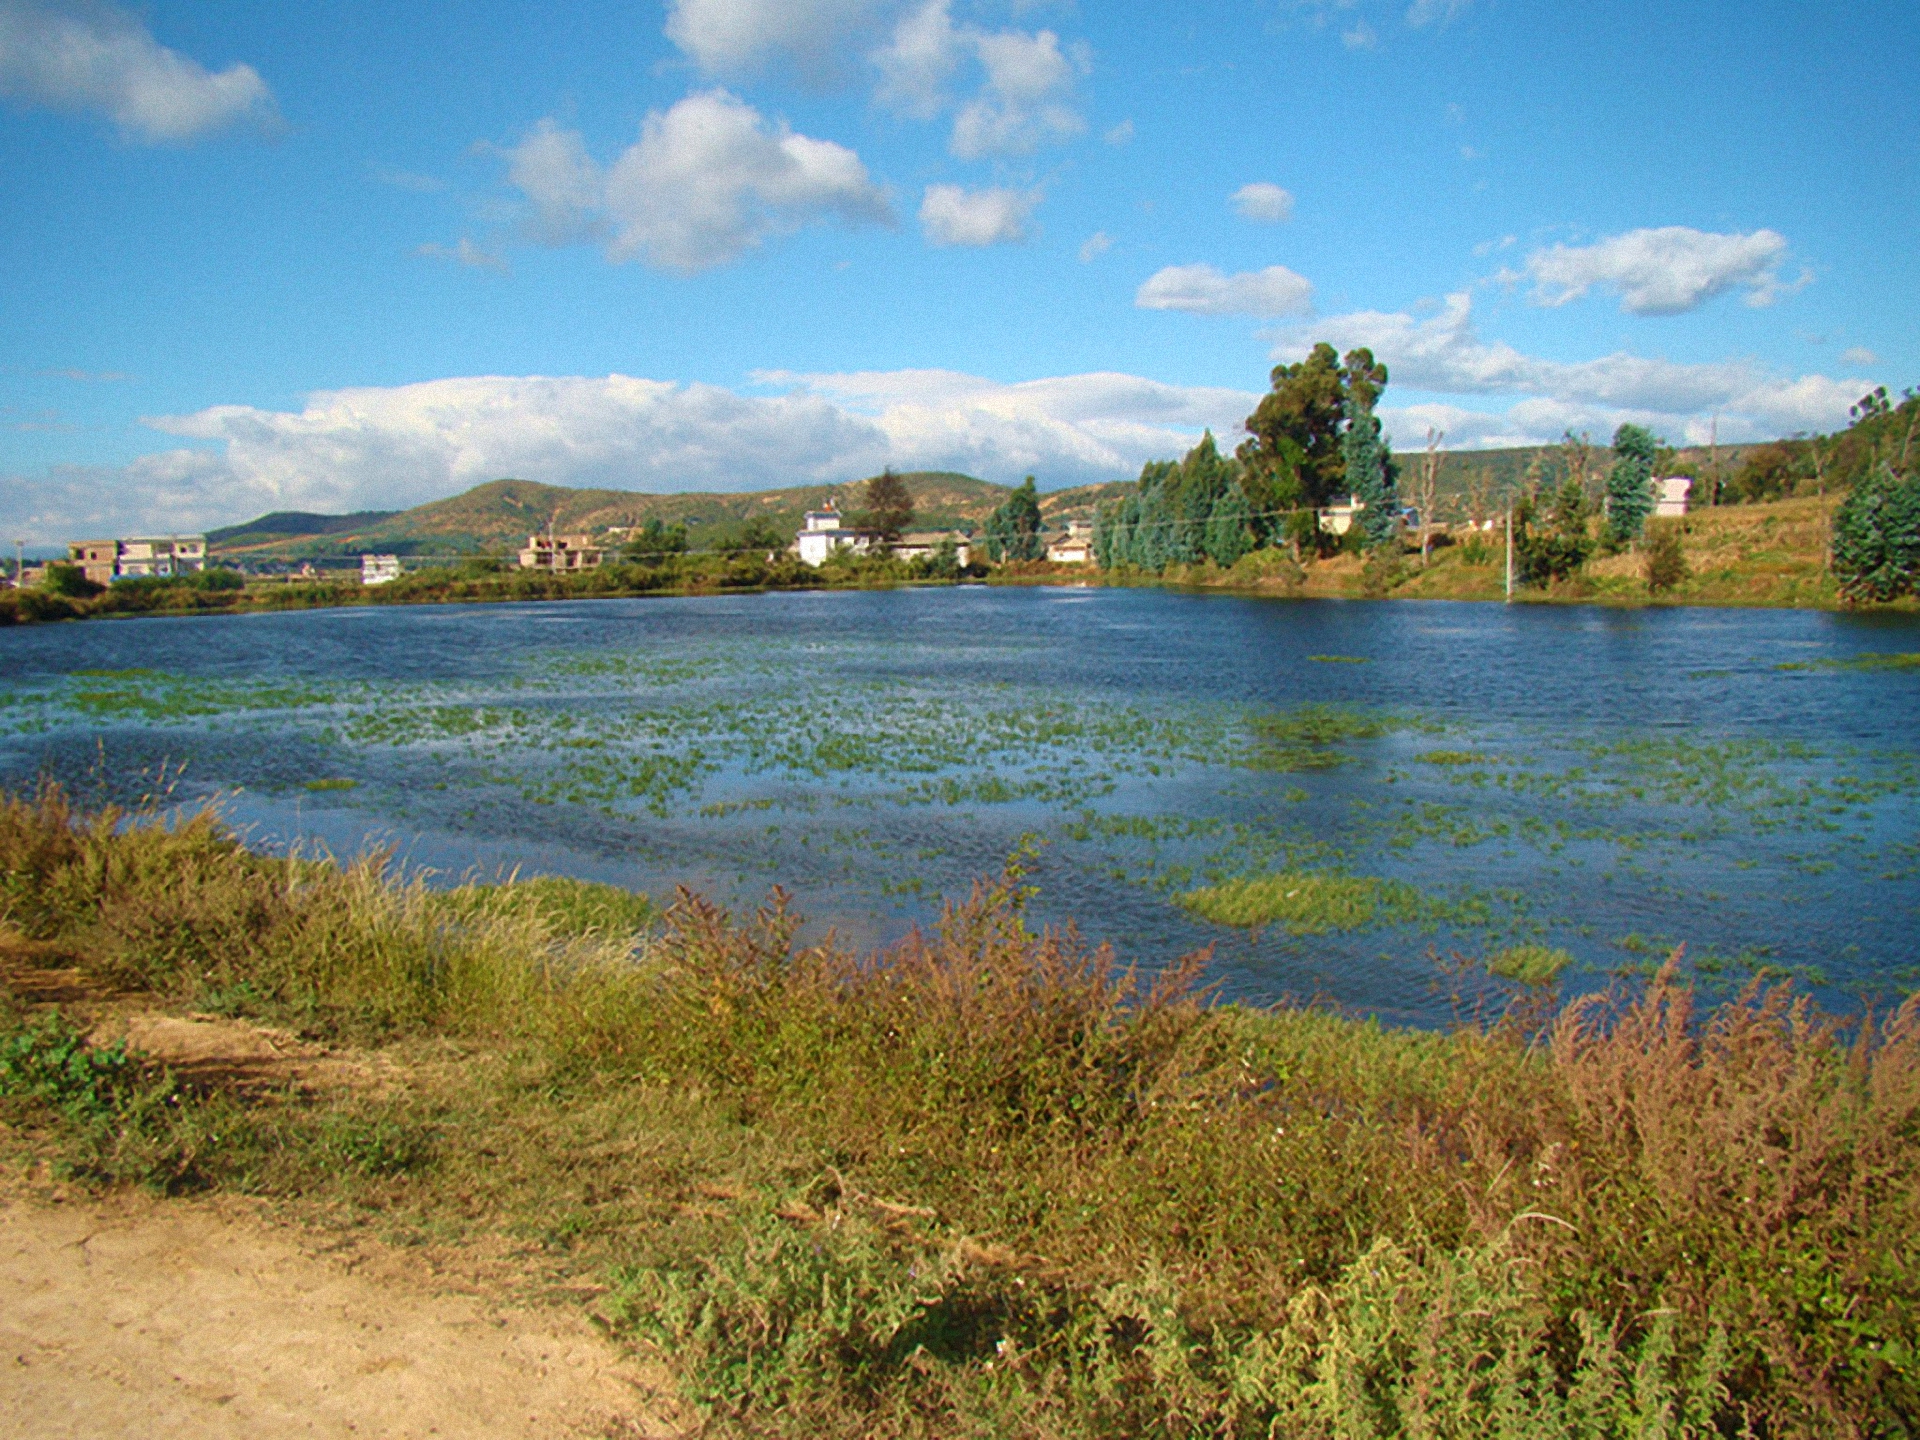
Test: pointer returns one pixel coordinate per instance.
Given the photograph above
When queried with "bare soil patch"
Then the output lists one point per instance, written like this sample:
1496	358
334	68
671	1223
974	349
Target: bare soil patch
131	1316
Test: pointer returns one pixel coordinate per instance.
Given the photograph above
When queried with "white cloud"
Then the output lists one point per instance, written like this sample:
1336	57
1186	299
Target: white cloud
1263	200
952	216
1068	429
1444	354
1025	100
917	54
1361	37
465	253
1119	134
1095	245
1429	12
1203	290
384	448
707	180
1667	271
552	169
1860	356
89	55
727	37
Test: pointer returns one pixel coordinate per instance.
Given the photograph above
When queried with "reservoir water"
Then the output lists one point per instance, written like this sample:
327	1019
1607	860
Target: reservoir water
1612	783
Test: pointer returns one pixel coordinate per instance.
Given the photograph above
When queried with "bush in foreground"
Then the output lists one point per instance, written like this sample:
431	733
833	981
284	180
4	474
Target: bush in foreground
1020	1192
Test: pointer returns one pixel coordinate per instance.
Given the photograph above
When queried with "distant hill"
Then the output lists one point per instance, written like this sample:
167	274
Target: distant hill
282	523
498	516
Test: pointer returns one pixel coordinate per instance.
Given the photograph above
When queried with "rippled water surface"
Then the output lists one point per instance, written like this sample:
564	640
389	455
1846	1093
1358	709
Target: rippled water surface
1608	782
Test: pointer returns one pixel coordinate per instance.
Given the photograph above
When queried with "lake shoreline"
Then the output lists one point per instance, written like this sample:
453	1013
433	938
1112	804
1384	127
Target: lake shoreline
693	1131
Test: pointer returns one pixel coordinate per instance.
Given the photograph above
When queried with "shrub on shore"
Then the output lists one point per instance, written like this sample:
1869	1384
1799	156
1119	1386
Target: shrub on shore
1023	1192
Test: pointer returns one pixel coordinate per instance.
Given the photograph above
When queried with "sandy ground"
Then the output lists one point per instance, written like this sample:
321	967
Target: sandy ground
129	1316
135	1317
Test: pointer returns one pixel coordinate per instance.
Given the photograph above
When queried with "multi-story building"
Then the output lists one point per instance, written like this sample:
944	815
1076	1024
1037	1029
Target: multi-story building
561	554
104	561
822	533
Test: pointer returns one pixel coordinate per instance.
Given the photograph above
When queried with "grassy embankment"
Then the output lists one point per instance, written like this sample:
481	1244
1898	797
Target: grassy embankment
1772	554
983	1185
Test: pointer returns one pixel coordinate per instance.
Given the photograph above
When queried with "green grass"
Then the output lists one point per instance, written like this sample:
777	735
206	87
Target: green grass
1307	902
1529	964
1873	660
986	1184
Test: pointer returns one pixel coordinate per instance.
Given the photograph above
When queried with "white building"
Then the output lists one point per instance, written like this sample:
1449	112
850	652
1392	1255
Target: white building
922	544
822	533
379	569
104	561
1671	494
1075	547
1338	519
561	553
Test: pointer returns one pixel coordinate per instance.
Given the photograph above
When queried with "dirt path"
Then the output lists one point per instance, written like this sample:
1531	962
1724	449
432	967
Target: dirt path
173	1318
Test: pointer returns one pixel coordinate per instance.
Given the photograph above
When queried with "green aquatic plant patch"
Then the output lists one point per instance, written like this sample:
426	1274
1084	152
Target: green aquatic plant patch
333	783
1307	902
1872	660
1529	964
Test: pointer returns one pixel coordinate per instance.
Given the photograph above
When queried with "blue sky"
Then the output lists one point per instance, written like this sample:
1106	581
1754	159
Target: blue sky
346	255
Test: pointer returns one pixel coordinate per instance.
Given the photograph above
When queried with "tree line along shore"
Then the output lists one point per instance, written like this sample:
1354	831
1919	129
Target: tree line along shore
1313	503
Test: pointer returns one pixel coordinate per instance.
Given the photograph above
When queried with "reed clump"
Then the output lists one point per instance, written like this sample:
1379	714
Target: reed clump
1016	1190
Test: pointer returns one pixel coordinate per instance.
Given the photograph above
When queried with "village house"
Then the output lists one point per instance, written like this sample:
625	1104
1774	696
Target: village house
99	560
922	545
104	561
379	569
1075	547
822	532
561	554
1671	494
1339	519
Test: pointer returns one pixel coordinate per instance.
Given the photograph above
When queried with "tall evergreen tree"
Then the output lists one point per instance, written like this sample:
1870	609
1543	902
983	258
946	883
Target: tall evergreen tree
1229	527
1013	530
888	508
1876	538
1630	484
1293	455
1369	470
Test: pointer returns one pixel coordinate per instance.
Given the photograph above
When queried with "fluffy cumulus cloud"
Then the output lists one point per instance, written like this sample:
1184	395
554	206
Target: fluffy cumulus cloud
1203	290
1263	200
707	180
1664	271
1009	91
88	55
731	37
951	215
382	448
1444	353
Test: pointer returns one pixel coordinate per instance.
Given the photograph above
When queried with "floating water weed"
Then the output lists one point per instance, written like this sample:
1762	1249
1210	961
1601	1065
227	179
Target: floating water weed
1529	964
1873	660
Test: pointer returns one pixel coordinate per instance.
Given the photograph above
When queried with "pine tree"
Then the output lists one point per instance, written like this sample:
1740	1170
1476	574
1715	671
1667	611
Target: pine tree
1229	527
1013	530
1630	485
1369	474
1876	538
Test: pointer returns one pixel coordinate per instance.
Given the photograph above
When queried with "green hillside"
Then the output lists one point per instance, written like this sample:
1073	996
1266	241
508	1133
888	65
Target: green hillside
284	523
497	517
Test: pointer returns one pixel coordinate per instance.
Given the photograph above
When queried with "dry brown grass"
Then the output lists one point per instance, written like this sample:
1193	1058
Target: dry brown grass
984	1183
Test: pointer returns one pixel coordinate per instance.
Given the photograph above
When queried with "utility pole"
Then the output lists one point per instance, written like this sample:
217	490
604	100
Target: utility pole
1509	552
19	561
